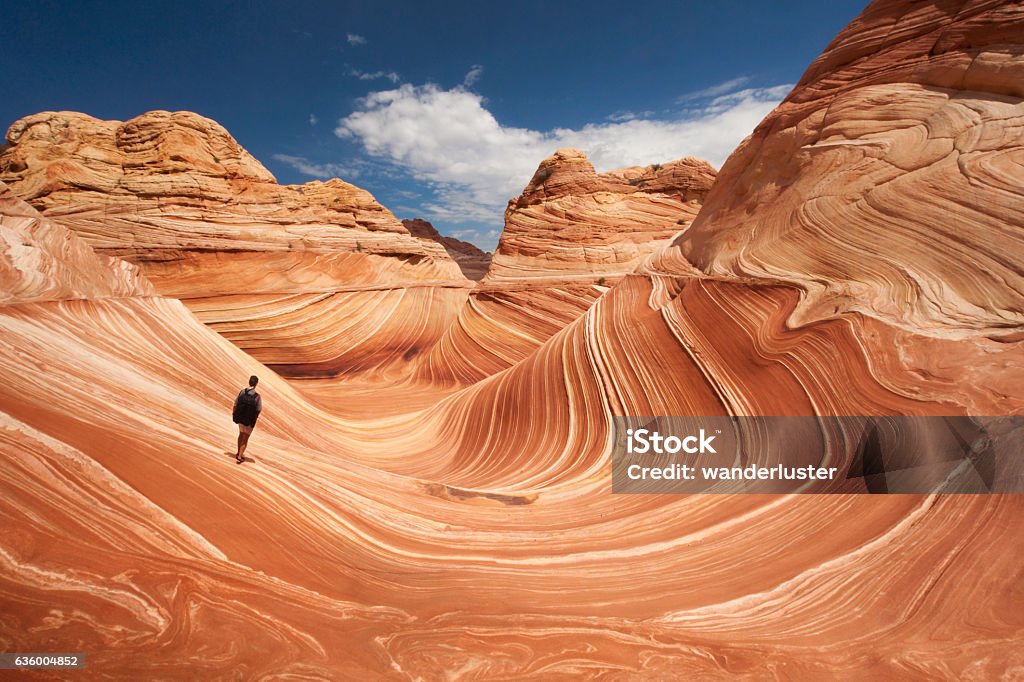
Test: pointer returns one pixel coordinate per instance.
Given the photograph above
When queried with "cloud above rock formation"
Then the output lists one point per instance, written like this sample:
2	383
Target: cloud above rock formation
313	169
473	163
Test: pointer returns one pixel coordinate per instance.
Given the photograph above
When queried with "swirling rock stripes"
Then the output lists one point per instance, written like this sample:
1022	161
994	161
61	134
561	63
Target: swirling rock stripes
336	333
386	540
569	236
457	522
902	138
315	529
43	261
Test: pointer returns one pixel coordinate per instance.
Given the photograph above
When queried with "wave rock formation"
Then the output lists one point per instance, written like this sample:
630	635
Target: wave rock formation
860	253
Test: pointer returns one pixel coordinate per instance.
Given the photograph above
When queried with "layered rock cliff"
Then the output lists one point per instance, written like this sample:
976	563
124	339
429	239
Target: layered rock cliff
270	266
175	193
571	221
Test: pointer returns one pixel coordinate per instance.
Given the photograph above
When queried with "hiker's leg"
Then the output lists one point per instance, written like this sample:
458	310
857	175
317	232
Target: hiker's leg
243	440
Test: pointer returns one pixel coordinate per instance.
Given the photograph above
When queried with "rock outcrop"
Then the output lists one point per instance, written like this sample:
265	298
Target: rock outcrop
175	192
471	259
205	222
570	235
888	183
571	221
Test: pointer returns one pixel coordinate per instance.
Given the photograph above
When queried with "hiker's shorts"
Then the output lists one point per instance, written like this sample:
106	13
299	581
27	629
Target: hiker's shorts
242	428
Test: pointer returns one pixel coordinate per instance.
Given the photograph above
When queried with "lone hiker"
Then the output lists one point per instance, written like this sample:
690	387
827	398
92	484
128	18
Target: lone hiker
245	413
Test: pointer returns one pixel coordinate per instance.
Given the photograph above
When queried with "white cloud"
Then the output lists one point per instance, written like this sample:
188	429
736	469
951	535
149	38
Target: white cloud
473	164
354	39
620	116
317	170
374	75
313	119
472	76
722	88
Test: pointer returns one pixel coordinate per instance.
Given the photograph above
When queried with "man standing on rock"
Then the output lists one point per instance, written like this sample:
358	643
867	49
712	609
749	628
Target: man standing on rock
247	410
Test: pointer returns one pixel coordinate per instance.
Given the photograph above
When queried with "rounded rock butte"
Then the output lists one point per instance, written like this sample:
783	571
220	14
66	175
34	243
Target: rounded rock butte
860	253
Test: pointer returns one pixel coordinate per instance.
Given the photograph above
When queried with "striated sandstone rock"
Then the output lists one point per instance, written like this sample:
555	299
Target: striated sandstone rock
573	222
174	191
567	237
175	194
472	533
469	257
888	183
42	261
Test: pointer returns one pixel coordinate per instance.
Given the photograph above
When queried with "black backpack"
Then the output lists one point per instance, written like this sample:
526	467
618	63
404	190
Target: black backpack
245	407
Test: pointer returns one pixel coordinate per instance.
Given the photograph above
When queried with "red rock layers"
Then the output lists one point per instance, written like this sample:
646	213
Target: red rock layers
207	223
175	192
474	534
888	182
573	222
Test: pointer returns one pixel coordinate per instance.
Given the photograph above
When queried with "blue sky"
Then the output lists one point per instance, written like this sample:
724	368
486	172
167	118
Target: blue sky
441	109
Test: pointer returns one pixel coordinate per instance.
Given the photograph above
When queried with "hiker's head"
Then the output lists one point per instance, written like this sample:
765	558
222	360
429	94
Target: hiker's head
253	380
